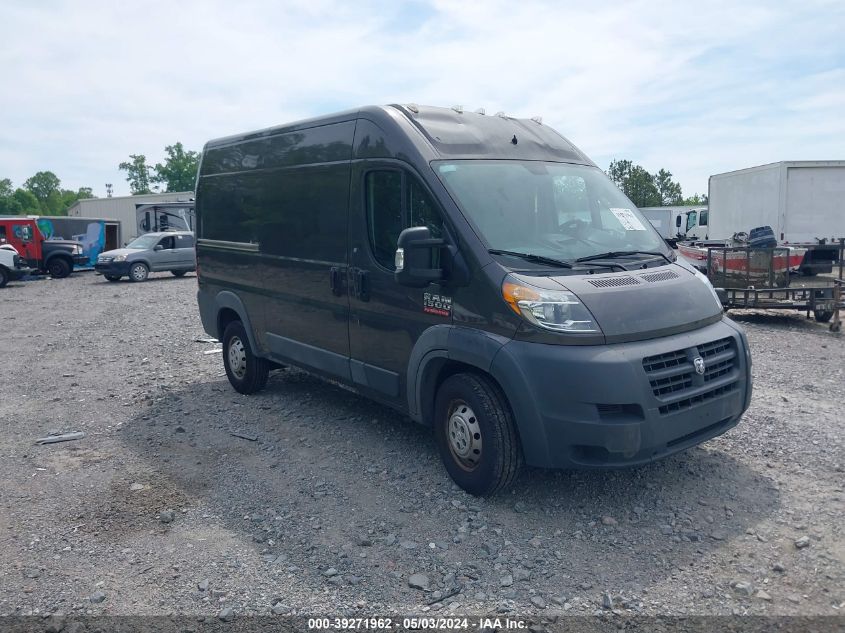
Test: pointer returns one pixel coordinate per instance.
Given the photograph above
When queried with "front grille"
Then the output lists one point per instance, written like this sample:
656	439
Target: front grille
609	282
103	260
675	382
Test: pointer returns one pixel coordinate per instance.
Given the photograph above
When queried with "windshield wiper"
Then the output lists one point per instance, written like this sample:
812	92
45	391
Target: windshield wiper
538	259
613	254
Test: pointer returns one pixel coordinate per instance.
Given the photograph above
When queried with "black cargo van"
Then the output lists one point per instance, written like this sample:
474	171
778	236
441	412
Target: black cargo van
478	273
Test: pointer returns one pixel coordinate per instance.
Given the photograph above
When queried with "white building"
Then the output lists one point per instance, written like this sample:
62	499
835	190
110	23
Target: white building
123	209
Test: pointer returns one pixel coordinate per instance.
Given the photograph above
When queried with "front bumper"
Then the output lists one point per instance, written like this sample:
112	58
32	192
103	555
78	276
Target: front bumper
112	268
624	404
19	273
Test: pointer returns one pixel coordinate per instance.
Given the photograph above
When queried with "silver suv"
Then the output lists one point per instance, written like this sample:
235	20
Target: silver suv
152	252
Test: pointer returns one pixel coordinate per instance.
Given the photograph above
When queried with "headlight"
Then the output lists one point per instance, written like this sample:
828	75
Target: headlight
119	258
556	310
77	250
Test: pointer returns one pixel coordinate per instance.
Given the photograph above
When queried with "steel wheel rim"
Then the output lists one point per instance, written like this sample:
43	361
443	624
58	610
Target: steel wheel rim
463	434
138	273
237	357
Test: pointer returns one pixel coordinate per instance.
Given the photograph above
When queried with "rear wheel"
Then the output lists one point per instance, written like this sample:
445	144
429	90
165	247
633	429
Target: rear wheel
823	316
139	272
476	434
179	273
246	372
4	277
59	267
112	277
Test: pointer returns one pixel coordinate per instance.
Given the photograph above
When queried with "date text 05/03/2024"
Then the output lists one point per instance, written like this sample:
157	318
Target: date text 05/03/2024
417	623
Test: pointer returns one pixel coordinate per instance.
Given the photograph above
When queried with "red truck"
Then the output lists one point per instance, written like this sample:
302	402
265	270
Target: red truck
57	257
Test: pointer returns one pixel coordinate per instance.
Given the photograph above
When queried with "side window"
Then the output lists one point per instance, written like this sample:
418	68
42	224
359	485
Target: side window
702	220
691	218
185	241
423	211
166	242
23	232
384	214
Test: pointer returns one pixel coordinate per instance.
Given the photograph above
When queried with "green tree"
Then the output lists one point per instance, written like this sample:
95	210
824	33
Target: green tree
179	171
8	204
696	200
138	174
635	182
42	184
27	201
668	189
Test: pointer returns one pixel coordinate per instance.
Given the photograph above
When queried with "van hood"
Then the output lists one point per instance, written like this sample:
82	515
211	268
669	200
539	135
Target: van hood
648	303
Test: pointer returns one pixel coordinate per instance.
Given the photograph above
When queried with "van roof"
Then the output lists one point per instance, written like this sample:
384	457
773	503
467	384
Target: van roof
447	133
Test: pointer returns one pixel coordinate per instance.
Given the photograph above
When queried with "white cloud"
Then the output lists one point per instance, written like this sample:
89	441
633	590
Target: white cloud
695	88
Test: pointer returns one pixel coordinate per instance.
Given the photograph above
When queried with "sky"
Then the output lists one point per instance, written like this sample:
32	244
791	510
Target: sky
697	88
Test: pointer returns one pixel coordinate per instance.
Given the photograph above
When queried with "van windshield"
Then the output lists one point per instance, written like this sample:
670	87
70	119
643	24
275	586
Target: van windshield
555	210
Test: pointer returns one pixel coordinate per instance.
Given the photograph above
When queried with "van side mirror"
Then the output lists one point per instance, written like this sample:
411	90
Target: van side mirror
158	247
416	254
677	221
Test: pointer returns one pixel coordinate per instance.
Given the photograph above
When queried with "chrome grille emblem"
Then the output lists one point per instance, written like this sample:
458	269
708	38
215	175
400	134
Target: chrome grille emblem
698	363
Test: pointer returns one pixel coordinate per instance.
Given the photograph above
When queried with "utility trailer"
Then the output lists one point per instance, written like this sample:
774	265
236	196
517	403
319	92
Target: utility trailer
761	278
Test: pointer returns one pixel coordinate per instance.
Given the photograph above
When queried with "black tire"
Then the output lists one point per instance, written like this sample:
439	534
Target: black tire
249	375
138	272
483	418
59	267
4	277
823	316
178	273
112	277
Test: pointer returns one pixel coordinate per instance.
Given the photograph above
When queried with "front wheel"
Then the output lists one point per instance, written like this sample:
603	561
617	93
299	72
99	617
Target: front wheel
178	273
59	267
139	272
476	434
246	372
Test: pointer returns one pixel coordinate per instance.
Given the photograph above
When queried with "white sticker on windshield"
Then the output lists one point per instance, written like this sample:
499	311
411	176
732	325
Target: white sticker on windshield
627	219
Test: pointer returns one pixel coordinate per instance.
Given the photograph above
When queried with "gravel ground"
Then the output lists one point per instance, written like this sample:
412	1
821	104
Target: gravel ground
329	503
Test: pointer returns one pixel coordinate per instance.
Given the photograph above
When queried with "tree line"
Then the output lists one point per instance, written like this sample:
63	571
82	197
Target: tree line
42	194
649	190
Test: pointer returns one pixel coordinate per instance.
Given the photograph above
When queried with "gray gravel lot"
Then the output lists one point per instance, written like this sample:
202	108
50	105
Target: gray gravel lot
331	503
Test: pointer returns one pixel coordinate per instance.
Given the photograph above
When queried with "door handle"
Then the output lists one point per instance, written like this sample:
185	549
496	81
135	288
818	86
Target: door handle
362	284
334	281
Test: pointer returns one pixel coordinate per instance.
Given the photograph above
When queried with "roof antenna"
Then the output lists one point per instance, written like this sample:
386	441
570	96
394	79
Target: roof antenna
537	119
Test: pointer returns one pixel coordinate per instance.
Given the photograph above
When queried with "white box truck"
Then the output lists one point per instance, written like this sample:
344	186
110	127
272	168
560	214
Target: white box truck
803	202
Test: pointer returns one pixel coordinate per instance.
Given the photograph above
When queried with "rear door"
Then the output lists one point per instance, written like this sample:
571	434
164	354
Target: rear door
386	319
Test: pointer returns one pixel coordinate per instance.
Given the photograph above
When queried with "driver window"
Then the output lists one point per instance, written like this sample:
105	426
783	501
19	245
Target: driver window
167	243
423	211
691	219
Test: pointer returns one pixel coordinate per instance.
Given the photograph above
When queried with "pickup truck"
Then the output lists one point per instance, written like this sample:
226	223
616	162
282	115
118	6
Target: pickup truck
56	257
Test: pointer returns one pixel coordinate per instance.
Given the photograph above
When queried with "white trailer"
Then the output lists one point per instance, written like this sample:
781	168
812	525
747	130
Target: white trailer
803	201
